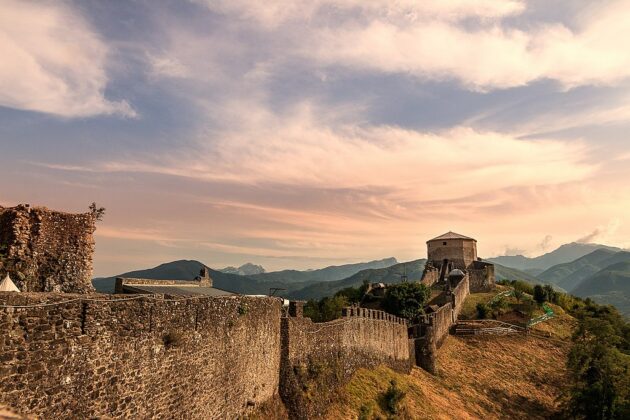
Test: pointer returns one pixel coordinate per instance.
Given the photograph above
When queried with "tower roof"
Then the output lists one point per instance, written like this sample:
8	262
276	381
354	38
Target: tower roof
451	235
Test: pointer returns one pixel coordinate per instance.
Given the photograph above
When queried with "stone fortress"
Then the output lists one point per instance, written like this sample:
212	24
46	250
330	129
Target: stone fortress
156	352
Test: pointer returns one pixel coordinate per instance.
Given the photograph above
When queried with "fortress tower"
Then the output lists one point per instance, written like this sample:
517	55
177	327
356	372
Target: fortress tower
459	250
454	251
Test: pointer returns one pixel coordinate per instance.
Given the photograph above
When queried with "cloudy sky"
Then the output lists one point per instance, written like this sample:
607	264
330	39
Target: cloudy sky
304	133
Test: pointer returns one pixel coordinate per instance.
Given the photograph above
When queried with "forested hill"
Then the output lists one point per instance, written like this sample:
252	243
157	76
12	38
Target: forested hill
393	274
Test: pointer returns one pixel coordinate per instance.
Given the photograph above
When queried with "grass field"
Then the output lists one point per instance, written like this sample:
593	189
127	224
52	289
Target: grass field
517	377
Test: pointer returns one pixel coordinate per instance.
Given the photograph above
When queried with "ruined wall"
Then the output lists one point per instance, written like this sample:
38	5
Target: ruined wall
45	250
482	277
430	275
317	358
205	358
461	252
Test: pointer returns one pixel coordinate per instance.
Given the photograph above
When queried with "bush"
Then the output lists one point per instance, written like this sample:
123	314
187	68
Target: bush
392	398
482	310
523	286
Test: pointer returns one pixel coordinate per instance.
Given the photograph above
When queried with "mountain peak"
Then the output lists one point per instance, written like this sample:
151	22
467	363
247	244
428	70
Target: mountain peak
247	269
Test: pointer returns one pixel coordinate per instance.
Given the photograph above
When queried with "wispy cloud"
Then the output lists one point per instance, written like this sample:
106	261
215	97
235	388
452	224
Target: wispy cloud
431	40
53	62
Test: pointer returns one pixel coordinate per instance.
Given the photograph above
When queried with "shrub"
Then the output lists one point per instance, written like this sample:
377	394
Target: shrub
392	398
523	287
482	311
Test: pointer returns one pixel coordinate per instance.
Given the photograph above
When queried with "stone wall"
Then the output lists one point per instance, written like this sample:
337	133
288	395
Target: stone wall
141	358
460	293
107	356
317	358
45	250
430	275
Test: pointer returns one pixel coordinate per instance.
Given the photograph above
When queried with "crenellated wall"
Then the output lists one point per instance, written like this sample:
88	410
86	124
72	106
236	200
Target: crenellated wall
107	356
318	358
45	250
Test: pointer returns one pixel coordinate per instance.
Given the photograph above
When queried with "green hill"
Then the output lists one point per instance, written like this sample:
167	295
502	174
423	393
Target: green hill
566	253
506	273
569	275
609	286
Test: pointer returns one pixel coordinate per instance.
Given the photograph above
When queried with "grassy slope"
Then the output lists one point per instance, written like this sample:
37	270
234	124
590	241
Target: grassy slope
490	378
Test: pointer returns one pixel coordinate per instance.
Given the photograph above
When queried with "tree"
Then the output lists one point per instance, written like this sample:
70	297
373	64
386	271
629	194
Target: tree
326	309
406	300
598	367
97	212
540	295
552	295
518	294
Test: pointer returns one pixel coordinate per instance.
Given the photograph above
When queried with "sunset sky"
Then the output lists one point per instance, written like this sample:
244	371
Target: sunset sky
305	133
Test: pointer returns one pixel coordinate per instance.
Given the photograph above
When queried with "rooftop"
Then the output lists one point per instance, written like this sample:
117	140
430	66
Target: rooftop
451	235
168	287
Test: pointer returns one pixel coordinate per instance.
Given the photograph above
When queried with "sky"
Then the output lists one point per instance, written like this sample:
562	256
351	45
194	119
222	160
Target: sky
306	133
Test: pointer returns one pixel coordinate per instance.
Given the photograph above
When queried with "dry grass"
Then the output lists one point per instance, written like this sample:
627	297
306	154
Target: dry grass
490	378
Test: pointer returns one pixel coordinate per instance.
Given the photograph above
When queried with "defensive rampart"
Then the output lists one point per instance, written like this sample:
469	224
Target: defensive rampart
142	358
107	356
433	328
319	357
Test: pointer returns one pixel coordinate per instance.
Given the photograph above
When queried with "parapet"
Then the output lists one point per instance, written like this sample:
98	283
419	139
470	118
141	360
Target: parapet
354	311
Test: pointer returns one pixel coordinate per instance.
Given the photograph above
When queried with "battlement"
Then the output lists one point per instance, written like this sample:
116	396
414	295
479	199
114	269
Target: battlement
355	311
45	250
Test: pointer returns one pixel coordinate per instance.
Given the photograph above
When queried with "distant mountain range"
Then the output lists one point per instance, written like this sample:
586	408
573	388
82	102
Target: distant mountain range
564	254
332	273
602	274
247	269
392	274
586	270
288	280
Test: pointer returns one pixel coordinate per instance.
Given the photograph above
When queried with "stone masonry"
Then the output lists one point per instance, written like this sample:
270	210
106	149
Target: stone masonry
106	356
47	251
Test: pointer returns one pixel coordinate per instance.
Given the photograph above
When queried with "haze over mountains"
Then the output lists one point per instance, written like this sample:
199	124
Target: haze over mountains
586	270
